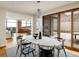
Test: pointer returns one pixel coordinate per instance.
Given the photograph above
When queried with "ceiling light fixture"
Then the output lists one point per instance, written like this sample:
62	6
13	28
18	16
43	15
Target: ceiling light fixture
38	9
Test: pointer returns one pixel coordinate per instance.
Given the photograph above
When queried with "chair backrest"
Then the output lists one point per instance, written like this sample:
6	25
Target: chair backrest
58	38
61	40
19	39
46	47
63	43
46	52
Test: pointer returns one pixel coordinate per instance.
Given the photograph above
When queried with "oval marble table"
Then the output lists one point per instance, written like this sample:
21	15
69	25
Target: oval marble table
45	41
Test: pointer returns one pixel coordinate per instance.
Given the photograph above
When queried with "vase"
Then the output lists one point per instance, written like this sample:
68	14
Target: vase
40	36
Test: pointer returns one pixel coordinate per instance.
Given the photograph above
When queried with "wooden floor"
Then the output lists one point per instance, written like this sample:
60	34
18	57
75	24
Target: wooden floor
3	52
72	51
9	43
2	49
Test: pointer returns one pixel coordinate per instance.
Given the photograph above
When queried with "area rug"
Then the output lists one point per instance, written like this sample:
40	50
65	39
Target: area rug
11	52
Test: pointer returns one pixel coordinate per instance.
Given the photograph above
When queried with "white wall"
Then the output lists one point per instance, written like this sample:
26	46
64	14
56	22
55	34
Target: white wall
2	25
15	15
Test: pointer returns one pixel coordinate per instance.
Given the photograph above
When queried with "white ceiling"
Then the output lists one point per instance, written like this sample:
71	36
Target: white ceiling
30	7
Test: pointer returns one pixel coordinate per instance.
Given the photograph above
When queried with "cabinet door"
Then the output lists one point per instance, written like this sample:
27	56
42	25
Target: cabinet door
46	25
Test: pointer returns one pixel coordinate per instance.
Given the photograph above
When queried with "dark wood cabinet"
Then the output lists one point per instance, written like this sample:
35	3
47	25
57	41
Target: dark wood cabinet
46	25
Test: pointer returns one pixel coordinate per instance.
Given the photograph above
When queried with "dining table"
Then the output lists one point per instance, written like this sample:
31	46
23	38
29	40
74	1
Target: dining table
44	41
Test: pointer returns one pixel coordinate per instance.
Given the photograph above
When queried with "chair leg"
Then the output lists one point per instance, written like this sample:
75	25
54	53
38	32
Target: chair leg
28	54
65	52
33	53
53	52
21	51
25	55
17	49
20	54
58	52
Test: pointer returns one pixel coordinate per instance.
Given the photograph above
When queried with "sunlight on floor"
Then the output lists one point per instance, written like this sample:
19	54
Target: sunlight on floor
73	52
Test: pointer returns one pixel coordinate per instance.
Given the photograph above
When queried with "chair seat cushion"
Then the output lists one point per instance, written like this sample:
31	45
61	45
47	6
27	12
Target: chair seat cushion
28	50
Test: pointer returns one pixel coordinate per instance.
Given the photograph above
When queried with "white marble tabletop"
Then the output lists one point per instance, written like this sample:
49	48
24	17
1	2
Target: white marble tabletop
45	41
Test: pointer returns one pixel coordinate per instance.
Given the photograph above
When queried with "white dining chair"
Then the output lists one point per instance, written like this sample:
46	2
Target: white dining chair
60	46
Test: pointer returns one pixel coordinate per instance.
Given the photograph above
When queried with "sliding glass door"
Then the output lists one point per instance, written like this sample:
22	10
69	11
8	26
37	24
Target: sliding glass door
54	19
65	27
76	29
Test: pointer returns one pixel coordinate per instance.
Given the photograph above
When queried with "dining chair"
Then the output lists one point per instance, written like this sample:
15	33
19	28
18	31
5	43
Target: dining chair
18	39
61	46
27	49
23	46
20	42
46	51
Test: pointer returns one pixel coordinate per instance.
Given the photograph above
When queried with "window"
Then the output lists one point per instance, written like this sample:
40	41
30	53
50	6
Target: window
65	27
54	25
23	23
26	23
11	23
